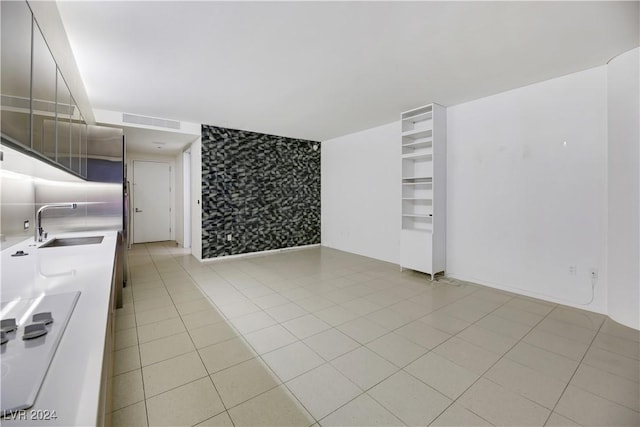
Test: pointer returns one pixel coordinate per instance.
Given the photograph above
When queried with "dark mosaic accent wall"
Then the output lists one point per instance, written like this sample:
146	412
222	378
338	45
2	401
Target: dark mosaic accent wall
262	189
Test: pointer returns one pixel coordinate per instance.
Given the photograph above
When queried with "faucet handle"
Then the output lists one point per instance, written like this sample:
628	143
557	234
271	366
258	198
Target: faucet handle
45	235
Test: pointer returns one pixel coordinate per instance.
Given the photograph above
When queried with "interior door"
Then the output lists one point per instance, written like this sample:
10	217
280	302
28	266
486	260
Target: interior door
151	201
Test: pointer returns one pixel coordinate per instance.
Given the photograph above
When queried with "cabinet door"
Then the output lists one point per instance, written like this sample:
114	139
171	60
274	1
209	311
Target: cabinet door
43	102
64	111
83	147
15	51
76	137
416	250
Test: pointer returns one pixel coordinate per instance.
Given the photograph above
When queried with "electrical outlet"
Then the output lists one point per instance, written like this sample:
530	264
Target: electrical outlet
572	270
229	237
593	273
26	224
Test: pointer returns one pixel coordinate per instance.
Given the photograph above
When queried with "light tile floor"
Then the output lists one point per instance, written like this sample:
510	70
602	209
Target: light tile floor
327	338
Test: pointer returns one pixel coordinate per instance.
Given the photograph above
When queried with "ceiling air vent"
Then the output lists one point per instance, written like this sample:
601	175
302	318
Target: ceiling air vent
150	121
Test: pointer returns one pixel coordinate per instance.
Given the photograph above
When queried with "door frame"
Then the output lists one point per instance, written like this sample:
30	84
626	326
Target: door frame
186	192
143	157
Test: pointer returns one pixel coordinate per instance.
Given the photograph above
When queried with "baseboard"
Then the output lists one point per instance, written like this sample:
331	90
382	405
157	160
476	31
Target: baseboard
257	254
528	293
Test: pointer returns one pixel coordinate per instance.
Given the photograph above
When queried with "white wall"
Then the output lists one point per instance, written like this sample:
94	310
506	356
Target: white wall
196	199
174	184
523	207
624	188
361	192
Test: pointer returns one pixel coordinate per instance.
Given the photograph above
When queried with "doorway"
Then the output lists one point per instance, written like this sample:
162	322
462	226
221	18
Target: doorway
151	201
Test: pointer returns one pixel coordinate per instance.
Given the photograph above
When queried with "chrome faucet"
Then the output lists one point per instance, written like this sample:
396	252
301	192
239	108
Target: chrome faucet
39	231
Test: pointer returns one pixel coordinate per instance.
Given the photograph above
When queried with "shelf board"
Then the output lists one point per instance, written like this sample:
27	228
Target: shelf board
418	116
418	133
422	230
417	179
418	183
417	216
417	198
417	111
428	142
416	156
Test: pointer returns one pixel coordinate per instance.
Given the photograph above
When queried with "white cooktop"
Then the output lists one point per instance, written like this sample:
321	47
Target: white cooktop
25	362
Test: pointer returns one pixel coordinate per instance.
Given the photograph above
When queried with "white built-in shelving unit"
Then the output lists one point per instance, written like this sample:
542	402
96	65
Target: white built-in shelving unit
424	151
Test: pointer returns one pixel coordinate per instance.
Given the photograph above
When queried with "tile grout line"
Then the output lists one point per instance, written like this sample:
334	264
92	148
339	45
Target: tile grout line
453	401
571	378
197	351
230	320
281	383
390	375
611	373
340	304
364	345
503	356
360	344
486	370
173	388
144	391
284	383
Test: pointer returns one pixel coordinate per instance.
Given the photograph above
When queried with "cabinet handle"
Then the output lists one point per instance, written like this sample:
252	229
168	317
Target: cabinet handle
138	210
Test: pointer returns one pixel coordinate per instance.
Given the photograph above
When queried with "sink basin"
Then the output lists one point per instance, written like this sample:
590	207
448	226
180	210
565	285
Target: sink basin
73	241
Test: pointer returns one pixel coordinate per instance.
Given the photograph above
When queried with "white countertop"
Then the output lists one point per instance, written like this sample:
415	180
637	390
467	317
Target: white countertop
71	386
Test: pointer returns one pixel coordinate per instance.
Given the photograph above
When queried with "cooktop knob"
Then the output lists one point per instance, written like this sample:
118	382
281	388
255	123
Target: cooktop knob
44	317
34	330
8	325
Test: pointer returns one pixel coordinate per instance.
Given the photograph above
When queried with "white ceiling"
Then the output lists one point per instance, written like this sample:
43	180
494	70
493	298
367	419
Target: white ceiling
318	70
141	140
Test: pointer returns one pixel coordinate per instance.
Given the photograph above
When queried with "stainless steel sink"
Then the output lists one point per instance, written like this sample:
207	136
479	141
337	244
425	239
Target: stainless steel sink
73	241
